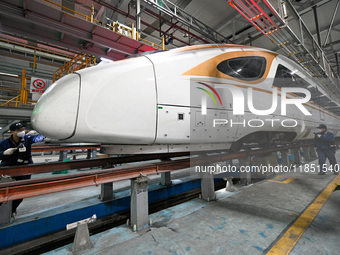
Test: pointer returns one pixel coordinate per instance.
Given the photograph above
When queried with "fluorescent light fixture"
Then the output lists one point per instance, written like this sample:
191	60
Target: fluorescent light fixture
106	60
294	72
239	70
9	74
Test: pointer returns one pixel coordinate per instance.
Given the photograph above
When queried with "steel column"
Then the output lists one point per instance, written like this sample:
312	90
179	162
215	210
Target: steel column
245	176
62	155
5	213
297	156
166	176
285	157
94	153
306	154
166	179
89	151
106	193
330	26
317	24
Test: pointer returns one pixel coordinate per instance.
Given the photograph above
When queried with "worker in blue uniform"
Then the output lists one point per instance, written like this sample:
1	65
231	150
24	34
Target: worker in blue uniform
325	147
16	150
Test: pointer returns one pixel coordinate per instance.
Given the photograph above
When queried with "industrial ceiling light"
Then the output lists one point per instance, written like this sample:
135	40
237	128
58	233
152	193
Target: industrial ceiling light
9	74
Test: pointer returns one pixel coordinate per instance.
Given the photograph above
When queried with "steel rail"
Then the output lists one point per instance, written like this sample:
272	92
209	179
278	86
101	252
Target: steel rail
78	164
19	190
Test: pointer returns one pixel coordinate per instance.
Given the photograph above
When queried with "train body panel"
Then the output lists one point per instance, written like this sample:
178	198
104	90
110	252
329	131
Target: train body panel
115	106
215	95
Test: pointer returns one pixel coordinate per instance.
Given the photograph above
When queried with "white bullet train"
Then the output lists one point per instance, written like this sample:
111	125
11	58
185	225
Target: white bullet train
204	97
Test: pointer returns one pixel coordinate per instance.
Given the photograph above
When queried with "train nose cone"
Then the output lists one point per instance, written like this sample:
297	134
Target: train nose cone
55	114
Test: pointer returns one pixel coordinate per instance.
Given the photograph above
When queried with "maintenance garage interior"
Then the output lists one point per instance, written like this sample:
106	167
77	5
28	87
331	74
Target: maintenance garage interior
169	127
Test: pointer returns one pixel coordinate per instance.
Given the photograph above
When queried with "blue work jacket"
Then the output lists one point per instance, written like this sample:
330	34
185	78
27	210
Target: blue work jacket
17	157
325	141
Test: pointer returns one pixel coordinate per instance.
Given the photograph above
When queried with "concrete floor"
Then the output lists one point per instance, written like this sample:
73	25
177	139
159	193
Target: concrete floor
322	236
247	221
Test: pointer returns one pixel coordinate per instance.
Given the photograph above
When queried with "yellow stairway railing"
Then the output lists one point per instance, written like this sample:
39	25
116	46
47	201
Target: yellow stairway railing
78	62
14	98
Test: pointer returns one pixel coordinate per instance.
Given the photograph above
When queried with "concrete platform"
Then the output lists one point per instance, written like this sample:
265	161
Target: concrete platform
252	220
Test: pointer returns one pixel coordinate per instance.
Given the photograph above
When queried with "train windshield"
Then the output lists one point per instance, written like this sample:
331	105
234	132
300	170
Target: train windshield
244	68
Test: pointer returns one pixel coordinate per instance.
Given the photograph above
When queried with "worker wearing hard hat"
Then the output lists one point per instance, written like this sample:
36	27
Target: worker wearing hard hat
16	150
325	147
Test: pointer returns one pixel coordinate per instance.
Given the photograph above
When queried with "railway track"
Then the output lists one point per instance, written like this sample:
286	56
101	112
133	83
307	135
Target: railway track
28	188
169	162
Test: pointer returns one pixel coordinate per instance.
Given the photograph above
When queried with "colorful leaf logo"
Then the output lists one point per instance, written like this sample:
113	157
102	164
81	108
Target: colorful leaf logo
209	93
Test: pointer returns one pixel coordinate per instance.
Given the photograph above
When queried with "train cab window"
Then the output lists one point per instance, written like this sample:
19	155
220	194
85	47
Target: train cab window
287	78
243	68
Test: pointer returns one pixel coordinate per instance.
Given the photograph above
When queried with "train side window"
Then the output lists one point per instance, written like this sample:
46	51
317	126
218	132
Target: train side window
244	68
286	78
283	77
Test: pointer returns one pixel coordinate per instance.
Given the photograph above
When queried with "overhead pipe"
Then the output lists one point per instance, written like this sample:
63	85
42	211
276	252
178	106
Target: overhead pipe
11	68
33	52
254	18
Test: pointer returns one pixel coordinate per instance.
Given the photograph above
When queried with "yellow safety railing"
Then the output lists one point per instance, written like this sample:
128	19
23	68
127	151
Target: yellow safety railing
14	98
162	47
23	91
9	89
115	27
78	62
22	98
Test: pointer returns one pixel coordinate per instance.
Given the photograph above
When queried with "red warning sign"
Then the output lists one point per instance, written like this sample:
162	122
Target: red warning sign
39	84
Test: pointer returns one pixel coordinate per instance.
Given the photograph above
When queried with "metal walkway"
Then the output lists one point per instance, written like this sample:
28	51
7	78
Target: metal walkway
55	26
281	23
177	13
